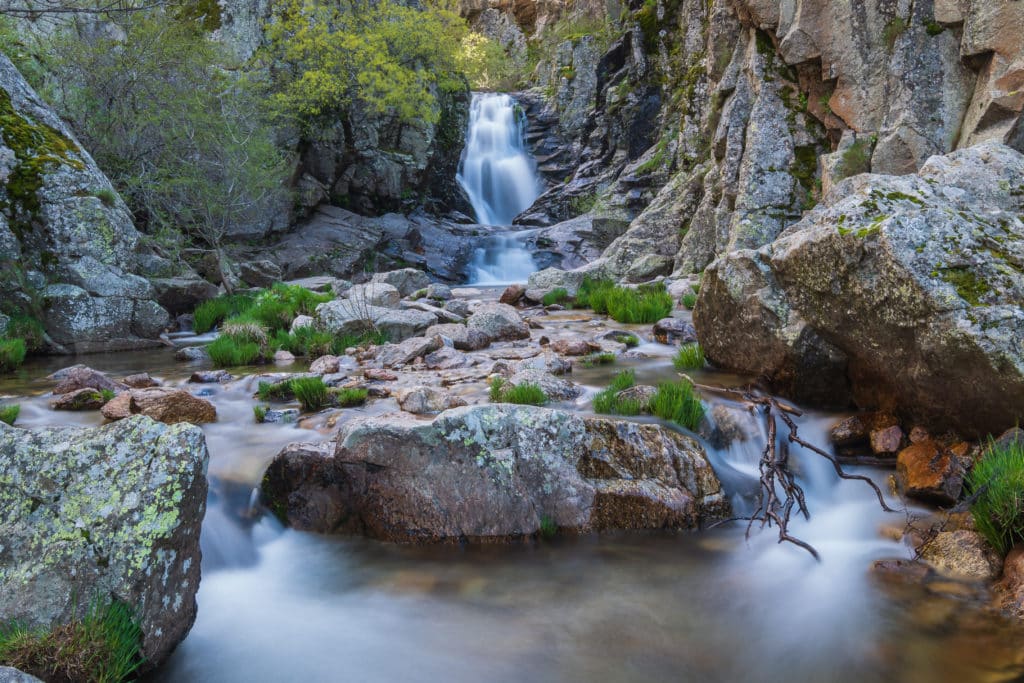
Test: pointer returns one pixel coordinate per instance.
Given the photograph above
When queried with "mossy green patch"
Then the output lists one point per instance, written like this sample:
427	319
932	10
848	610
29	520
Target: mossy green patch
967	283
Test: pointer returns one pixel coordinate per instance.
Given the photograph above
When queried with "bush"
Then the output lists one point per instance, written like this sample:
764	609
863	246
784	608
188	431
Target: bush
645	304
527	393
607	401
347	398
311	392
689	357
997	481
678	402
9	413
12	353
227	352
103	646
555	297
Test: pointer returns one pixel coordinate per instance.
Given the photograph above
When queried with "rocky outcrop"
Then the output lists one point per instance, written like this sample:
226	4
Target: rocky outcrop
113	511
69	253
495	472
893	291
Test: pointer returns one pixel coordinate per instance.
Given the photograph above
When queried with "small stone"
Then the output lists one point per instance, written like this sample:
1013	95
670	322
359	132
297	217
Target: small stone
302	321
674	331
512	294
422	400
919	434
886	441
163	404
927	471
963	555
1010	589
379	375
856	429
574	347
439	292
1010	437
282	357
210	377
458	307
86	378
141	380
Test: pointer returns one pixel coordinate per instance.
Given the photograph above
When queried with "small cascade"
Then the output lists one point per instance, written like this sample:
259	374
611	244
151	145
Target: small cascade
500	178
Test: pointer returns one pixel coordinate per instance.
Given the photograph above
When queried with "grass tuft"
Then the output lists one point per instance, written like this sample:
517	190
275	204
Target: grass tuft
210	313
678	402
595	359
227	352
527	393
348	398
689	357
556	296
689	300
260	413
12	354
311	393
997	482
9	413
607	401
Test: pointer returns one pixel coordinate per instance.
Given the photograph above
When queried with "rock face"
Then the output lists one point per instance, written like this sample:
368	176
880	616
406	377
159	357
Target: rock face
495	472
114	510
65	234
893	291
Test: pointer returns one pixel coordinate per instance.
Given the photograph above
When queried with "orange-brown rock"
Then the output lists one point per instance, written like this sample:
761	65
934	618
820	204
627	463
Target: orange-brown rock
931	472
163	404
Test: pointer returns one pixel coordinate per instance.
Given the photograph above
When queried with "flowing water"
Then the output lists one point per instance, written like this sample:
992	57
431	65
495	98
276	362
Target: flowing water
279	605
500	178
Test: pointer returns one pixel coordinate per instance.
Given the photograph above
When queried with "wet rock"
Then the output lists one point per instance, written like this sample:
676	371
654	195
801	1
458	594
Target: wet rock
140	380
163	404
619	336
499	322
374	294
396	355
1010	589
674	331
422	400
79	399
641	393
545	362
886	441
856	429
919	434
1010	437
285	416
407	280
555	388
191	354
495	472
462	337
901	571
931	472
138	490
574	347
86	378
11	675
325	365
963	555
441	314
512	295
210	377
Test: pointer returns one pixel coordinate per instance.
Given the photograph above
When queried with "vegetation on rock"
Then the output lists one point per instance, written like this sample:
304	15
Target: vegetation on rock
12	354
608	401
689	357
527	393
996	485
678	402
9	413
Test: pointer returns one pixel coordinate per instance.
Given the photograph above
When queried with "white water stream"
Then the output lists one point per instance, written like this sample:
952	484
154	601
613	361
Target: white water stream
500	178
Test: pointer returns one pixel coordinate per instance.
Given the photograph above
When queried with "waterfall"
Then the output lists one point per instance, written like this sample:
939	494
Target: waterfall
500	178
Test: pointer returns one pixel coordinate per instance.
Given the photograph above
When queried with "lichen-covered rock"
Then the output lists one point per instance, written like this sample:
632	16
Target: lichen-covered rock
80	399
345	316
897	287
495	472
422	400
109	511
962	554
499	322
67	228
462	337
555	388
12	675
374	294
407	280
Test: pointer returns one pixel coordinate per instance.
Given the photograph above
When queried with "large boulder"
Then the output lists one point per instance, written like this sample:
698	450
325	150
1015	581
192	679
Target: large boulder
69	233
374	294
164	404
892	291
499	322
347	316
112	511
495	472
406	281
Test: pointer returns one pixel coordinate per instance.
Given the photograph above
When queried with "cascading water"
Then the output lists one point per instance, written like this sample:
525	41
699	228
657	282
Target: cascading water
501	180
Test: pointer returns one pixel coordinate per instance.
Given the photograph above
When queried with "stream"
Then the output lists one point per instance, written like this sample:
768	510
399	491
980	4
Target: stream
279	605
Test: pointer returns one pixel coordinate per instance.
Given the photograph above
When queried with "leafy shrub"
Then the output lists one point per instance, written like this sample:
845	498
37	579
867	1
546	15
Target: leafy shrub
645	304
259	412
12	353
311	392
105	645
347	398
997	481
9	413
689	357
607	401
227	352
527	393
555	296
678	402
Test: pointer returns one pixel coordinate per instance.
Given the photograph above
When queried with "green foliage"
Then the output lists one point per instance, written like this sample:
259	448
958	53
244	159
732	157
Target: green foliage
933	28
107	196
593	294
243	329
382	56
548	527
486	64
210	313
645	304
526	393
594	359
678	402
558	295
311	392
107	395
689	357
608	402
9	413
12	354
689	300
856	159
104	646
259	412
227	352
631	341
893	30
183	136
26	327
997	485
349	397
270	391
584	203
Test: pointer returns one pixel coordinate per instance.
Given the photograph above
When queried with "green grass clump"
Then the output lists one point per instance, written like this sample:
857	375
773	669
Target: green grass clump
593	294
556	296
227	352
12	354
210	313
548	528
856	159
9	413
631	341
259	412
678	402
997	482
689	300
104	646
107	395
305	341
607	401
645	304
527	393
311	392
271	391
28	328
348	398
594	359
689	357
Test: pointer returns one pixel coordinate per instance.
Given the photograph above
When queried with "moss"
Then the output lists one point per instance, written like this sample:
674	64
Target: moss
900	196
38	149
805	169
968	285
933	28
